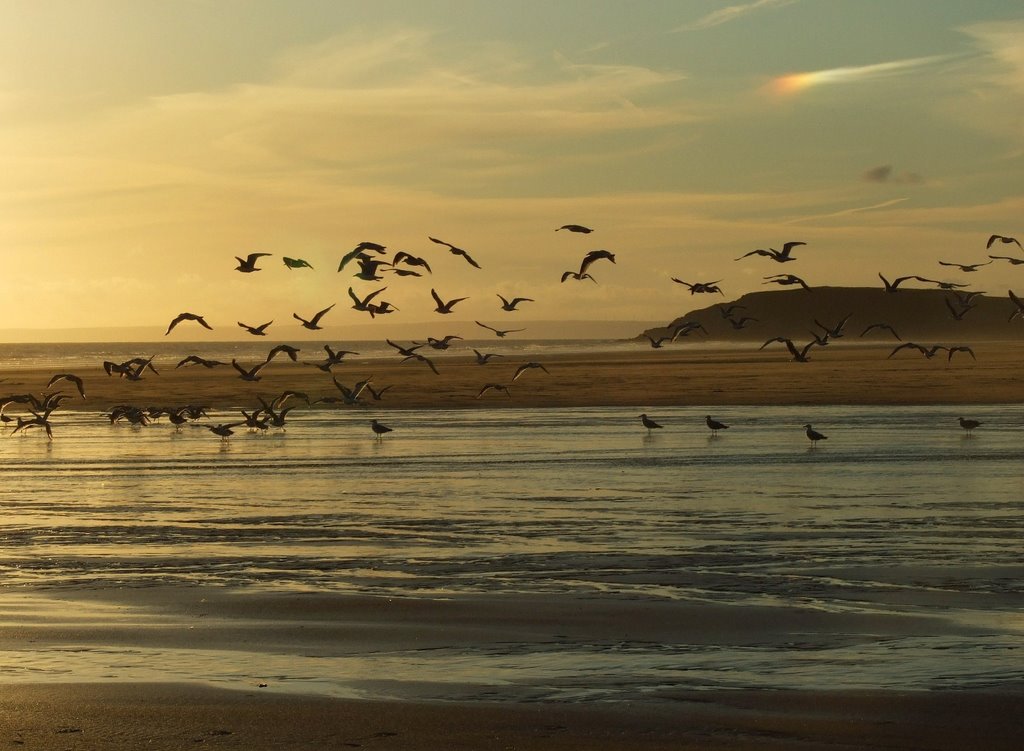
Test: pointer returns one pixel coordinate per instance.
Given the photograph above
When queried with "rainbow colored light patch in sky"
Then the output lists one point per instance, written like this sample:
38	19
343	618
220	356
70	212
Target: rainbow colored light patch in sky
797	82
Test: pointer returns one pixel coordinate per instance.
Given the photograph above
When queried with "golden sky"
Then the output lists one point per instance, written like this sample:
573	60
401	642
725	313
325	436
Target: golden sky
144	145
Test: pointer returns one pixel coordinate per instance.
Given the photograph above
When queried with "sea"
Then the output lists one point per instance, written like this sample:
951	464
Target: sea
900	520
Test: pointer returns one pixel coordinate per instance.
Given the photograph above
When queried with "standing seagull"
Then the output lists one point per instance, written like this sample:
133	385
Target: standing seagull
648	423
969	425
313	323
247	265
188	317
715	425
378	429
814	435
455	251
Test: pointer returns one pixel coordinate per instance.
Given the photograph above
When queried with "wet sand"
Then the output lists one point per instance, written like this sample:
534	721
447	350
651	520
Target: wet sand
837	374
161	715
173	716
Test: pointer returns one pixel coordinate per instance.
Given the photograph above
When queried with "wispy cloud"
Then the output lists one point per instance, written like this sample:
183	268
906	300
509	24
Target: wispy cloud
796	82
731	13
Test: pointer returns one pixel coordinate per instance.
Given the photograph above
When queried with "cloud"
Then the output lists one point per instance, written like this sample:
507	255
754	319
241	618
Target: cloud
1001	43
731	13
796	82
885	174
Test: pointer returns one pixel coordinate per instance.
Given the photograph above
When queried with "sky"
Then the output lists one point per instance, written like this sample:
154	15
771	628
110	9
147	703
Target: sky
144	145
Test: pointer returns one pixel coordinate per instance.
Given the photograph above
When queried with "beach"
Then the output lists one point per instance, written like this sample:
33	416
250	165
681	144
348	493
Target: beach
708	374
134	648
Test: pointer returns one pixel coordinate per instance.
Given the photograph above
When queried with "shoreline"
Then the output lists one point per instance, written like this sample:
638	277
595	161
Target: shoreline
861	374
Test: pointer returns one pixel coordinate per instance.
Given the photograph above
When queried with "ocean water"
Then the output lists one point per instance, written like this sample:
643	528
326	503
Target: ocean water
899	519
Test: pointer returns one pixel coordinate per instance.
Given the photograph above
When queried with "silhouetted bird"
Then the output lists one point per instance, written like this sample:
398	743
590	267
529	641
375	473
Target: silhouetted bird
445	307
296	263
378	429
648	423
576	228
781	256
786	280
1002	239
247	265
510	305
313	323
498	332
260	330
813	435
188	317
455	251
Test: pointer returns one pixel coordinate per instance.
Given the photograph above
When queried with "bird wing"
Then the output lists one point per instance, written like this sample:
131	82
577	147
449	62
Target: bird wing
318	316
484	325
464	254
440	242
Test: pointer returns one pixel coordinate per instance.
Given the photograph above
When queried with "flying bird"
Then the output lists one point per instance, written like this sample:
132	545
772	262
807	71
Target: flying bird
578	276
528	366
799	355
367	245
197	360
296	263
445	307
968	350
287	349
595	255
965	267
247	265
781	256
958	312
71	378
498	332
188	317
1019	312
785	280
893	286
1002	239
410	260
834	332
455	251
928	352
579	228
260	330
726	312
510	305
882	326
1013	261
443	343
252	374
364	302
494	387
699	287
482	358
313	323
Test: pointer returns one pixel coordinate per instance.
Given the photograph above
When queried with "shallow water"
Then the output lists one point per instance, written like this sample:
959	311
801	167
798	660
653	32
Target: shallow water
898	513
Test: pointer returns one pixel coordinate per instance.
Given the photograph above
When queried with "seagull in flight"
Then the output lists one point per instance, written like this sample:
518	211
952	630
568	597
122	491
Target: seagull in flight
928	352
364	303
260	330
883	326
494	387
781	256
785	280
247	265
968	350
455	251
699	287
893	286
965	267
296	263
578	228
1019	312
197	360
578	276
443	343
410	260
313	323
1002	239
834	332
799	355
188	317
498	332
71	378
445	307
1013	261
528	366
510	305
253	374
595	255
482	358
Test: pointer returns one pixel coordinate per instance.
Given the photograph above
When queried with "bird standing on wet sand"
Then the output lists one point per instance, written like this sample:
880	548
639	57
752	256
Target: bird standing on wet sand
188	317
379	429
969	425
715	425
247	265
648	423
313	323
813	435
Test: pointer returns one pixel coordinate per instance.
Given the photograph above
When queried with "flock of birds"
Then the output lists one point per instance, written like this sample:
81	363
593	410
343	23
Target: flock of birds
371	261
